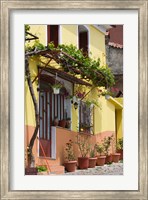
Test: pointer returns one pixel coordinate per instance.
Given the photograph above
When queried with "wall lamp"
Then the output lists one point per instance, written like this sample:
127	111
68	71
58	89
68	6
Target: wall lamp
75	105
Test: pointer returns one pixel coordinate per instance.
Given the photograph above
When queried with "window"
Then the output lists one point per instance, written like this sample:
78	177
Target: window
83	39
85	118
53	34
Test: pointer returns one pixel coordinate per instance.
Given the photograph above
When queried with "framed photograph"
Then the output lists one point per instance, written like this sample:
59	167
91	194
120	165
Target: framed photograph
22	23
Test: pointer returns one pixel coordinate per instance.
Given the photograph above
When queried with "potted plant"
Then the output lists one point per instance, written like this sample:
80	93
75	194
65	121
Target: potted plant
115	155
70	161
84	147
42	170
120	147
56	87
68	122
79	95
92	103
106	144
85	127
62	123
92	158
100	158
56	121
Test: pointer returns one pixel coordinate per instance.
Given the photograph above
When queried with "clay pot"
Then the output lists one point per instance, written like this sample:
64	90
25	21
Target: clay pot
121	153
92	162
116	157
70	166
101	160
31	171
108	159
83	162
62	123
68	123
56	122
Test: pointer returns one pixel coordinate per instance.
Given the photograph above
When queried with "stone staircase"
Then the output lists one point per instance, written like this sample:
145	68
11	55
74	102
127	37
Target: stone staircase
57	169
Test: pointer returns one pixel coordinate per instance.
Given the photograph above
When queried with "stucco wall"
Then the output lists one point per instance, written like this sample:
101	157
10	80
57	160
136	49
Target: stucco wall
29	108
62	137
114	59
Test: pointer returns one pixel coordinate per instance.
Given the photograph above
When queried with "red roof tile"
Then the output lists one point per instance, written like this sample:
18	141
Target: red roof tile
116	36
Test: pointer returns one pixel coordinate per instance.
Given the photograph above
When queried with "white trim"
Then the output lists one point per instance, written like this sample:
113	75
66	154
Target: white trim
53	142
77	37
46	34
38	146
102	28
88	30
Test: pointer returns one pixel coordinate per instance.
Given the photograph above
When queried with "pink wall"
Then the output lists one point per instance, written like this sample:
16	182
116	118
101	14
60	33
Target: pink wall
62	137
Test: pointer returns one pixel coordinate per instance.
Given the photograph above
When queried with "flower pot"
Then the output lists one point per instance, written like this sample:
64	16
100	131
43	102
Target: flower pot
116	157
62	123
31	171
101	160
56	90
43	173
108	159
92	162
68	123
70	166
121	153
56	122
83	162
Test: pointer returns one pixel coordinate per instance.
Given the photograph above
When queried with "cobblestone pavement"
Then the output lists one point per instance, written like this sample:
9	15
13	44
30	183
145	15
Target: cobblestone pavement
112	169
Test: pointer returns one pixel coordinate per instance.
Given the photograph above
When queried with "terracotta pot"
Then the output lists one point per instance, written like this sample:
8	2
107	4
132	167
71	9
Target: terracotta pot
92	162
116	157
68	123
108	159
56	122
101	160
70	166
83	162
31	171
62	123
121	153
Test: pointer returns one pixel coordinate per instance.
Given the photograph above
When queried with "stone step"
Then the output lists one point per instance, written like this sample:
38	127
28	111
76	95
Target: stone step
57	169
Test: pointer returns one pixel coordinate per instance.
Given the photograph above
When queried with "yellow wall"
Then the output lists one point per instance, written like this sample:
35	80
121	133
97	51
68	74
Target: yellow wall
40	31
119	119
69	34
29	108
104	118
97	44
119	124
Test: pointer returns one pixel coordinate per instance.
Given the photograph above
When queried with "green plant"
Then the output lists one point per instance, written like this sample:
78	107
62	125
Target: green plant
57	85
41	168
83	144
92	102
120	143
69	152
107	143
73	61
92	152
99	148
86	67
84	127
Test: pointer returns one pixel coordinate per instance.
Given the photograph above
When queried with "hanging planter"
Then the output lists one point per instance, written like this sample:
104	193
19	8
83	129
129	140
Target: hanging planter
56	90
56	87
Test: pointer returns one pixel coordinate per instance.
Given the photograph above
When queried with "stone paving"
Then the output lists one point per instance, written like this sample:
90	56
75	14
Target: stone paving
112	169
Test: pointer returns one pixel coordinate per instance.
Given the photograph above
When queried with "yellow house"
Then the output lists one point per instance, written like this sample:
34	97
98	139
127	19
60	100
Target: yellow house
103	118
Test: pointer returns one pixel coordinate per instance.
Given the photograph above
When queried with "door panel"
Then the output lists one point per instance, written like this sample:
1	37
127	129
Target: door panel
45	123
